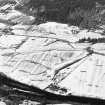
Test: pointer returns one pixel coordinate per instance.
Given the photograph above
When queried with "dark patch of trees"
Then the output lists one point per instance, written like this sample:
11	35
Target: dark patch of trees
64	11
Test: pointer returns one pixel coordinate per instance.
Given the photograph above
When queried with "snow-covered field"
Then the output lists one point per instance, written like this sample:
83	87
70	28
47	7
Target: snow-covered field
50	53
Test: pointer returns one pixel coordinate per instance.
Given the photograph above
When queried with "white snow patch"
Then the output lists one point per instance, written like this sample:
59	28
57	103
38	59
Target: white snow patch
13	14
20	27
8	41
3	26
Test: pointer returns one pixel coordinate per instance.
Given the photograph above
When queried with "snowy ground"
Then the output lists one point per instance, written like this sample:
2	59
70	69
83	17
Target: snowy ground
50	53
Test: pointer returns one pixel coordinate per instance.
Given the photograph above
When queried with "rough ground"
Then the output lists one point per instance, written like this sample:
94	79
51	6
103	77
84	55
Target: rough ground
51	54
